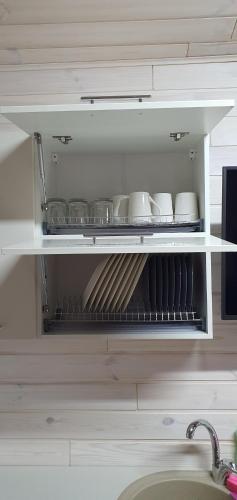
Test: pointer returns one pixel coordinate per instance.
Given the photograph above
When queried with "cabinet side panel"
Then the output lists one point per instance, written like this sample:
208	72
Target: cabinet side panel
209	314
17	274
201	180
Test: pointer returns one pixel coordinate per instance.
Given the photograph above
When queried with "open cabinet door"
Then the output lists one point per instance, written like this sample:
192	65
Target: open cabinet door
121	126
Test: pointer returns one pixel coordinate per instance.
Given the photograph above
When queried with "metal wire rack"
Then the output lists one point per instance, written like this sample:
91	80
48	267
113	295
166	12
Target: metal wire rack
75	320
121	225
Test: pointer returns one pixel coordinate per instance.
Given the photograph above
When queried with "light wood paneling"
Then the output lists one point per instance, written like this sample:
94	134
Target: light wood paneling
195	76
85	54
115	368
216	189
56	11
225	134
164	455
216	214
73	80
68	397
50	345
188	396
212	49
225	156
34	452
106	425
116	33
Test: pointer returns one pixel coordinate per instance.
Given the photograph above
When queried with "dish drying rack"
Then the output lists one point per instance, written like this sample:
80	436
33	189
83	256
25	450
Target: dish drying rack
117	226
70	317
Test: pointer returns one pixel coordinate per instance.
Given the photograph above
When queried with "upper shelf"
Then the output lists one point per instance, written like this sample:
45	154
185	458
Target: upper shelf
121	126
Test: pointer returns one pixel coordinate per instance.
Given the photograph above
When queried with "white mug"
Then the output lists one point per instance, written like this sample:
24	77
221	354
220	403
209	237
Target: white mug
186	207
139	207
120	208
165	212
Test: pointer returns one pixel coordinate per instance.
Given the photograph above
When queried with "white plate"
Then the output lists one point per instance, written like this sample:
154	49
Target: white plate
123	289
100	280
134	280
115	291
108	282
93	280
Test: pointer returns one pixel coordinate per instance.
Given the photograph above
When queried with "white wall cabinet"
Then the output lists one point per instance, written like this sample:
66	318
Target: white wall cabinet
117	147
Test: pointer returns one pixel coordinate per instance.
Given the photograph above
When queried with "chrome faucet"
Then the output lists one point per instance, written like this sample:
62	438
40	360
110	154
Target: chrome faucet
220	468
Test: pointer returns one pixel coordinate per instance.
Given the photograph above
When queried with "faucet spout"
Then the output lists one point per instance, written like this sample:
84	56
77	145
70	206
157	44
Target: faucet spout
216	457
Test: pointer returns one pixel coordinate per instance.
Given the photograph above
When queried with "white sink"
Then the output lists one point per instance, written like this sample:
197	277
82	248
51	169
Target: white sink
175	486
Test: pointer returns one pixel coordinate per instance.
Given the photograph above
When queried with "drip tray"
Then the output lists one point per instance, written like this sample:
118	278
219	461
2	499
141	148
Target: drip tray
57	227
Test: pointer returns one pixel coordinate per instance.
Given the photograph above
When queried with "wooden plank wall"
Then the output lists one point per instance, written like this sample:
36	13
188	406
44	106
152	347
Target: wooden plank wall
90	401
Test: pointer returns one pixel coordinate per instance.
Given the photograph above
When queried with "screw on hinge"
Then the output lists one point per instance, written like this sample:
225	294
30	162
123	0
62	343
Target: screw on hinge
64	139
177	136
192	154
54	158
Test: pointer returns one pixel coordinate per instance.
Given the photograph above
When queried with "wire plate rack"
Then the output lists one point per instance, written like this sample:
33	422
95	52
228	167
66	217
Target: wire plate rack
93	226
72	321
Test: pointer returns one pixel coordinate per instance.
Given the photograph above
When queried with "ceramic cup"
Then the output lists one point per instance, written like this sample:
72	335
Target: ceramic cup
139	207
186	207
165	212
120	208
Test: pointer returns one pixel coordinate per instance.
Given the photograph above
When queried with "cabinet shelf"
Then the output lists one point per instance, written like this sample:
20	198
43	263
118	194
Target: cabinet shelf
119	244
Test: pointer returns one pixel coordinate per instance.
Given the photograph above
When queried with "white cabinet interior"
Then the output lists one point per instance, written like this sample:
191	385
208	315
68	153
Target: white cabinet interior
115	148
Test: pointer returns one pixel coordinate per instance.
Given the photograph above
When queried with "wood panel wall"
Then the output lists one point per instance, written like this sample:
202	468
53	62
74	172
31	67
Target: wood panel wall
90	400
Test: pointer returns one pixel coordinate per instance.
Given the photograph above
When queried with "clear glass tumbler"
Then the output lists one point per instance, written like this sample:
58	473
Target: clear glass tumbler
102	211
78	211
56	211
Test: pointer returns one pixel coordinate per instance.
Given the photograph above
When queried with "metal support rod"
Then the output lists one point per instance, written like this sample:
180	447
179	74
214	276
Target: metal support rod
38	140
45	305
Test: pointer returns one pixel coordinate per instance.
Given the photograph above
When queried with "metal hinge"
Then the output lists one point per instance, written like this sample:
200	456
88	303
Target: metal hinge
177	136
64	139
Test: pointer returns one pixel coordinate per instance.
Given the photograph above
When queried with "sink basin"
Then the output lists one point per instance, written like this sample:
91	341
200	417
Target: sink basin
175	486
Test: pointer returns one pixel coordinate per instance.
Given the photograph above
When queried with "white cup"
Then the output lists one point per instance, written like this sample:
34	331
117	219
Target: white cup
139	207
186	207
165	212
120	208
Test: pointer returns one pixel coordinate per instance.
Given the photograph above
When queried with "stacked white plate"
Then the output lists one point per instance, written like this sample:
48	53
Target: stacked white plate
113	282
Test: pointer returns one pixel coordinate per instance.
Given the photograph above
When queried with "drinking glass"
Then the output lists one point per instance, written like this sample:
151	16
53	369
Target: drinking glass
102	211
56	211
78	211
